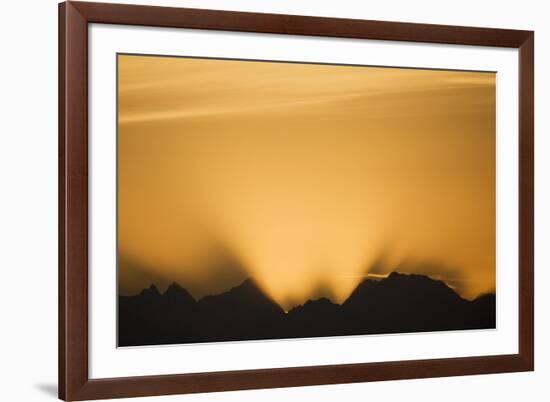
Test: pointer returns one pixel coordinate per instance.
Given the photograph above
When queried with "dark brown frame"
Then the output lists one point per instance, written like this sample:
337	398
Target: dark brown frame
74	382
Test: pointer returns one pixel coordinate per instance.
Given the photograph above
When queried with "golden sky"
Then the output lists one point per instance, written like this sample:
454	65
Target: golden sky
305	177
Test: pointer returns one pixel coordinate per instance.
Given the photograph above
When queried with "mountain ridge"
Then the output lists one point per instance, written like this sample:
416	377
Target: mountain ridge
398	303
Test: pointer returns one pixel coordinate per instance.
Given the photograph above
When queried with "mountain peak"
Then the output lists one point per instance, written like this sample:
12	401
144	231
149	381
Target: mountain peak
396	275
320	301
249	283
247	287
321	306
152	291
175	291
247	296
174	287
413	289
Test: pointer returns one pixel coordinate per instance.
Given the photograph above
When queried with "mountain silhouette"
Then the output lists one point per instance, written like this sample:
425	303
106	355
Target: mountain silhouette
244	312
319	316
399	303
405	303
176	295
247	298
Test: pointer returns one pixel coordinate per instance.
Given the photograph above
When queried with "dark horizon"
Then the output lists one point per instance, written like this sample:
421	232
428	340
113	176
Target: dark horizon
399	303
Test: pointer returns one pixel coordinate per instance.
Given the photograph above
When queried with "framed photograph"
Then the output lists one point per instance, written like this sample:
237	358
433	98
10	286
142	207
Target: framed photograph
260	200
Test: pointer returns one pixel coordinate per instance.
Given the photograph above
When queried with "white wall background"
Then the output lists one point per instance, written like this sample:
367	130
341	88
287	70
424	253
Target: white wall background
28	199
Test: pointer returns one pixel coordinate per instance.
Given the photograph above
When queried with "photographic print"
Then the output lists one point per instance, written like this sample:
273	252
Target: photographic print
273	200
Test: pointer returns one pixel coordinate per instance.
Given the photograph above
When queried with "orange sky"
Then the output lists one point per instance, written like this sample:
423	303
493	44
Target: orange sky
305	177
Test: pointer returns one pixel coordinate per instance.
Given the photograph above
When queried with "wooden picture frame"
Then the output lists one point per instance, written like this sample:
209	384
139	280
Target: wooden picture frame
74	381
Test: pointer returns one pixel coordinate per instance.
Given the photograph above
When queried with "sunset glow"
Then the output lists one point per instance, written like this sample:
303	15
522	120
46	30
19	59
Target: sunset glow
305	177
